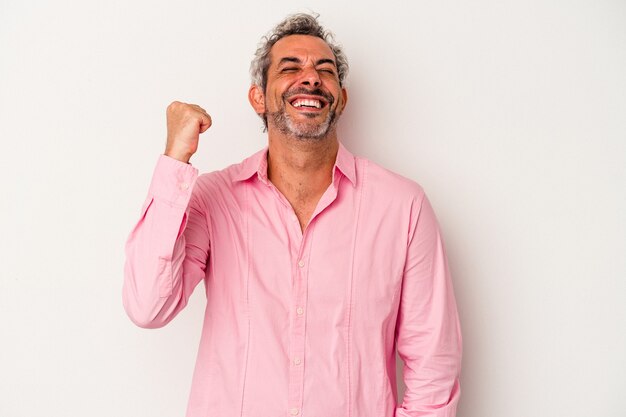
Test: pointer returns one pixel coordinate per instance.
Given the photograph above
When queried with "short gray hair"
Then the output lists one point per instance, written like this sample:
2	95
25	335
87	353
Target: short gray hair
296	24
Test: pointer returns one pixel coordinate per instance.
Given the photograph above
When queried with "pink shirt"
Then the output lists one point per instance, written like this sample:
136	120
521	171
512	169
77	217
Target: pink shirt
300	324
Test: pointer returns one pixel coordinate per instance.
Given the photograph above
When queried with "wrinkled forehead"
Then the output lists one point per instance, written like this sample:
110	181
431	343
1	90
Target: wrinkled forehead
303	47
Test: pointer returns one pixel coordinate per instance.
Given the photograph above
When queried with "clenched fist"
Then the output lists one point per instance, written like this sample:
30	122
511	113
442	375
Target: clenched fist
185	122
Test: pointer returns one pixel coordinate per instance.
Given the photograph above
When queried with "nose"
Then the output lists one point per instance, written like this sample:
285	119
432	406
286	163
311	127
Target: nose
310	77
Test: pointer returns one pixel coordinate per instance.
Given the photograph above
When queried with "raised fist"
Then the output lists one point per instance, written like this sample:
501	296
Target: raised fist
185	122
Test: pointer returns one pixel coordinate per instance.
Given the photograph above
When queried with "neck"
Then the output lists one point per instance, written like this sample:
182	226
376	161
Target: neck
301	169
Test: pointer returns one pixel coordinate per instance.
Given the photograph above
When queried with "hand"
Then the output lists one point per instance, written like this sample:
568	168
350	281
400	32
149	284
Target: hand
185	122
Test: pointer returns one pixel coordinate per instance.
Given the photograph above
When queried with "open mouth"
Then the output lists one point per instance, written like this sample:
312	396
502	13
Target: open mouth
308	103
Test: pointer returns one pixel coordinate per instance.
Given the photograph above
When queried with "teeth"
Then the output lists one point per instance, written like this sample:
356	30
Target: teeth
307	103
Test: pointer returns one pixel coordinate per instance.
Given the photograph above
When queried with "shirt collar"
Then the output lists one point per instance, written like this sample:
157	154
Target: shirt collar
257	164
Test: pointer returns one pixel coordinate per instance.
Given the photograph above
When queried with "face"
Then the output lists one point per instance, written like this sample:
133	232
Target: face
302	97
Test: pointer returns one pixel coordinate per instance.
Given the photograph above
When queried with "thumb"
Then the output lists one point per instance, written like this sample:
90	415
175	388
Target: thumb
205	123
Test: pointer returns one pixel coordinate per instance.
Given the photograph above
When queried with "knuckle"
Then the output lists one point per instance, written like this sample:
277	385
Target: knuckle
173	106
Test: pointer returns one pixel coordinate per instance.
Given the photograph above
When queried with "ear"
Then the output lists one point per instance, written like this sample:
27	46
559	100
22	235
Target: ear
344	101
257	99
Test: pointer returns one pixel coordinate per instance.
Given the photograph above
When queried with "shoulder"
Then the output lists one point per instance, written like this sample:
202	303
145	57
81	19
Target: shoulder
389	198
386	183
233	174
224	186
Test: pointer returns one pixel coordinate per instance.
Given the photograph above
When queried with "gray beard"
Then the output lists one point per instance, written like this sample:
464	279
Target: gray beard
302	131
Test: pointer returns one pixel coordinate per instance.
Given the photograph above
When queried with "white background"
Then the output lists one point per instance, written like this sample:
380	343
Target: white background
511	114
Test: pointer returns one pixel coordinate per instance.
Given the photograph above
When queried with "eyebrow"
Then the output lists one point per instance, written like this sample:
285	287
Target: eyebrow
298	61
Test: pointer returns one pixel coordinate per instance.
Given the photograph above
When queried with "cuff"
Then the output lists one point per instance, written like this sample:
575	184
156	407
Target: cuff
173	180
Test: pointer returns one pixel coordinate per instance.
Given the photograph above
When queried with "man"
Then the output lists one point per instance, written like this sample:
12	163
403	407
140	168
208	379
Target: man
316	264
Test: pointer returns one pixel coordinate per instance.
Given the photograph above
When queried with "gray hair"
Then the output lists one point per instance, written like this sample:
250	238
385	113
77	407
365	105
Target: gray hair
296	24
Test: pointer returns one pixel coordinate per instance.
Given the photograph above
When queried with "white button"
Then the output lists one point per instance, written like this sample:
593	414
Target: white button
184	186
297	361
294	411
300	263
300	311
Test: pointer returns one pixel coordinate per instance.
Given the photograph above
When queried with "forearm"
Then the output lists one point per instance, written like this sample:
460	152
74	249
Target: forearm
159	273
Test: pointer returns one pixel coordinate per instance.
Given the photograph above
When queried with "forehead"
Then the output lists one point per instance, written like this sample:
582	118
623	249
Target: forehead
301	46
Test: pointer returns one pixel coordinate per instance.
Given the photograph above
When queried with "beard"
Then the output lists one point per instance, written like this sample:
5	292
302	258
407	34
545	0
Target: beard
304	130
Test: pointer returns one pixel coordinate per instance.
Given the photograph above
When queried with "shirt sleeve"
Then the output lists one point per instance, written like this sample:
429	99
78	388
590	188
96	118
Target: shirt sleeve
428	333
167	250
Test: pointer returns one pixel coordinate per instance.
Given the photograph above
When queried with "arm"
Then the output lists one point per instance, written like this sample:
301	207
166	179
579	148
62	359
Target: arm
167	250
428	333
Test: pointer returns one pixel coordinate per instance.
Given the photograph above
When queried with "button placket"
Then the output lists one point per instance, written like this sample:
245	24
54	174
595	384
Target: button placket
297	336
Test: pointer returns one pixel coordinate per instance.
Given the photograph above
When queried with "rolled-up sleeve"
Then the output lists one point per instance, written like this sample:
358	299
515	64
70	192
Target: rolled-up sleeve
428	332
167	249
